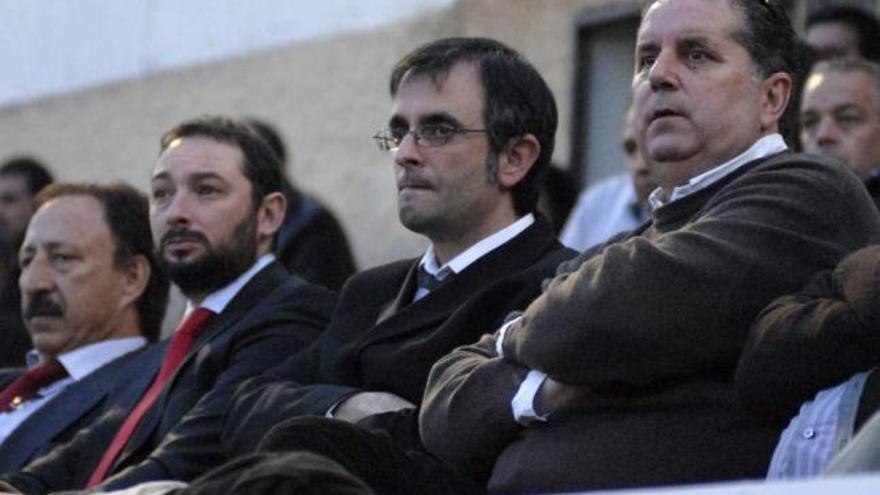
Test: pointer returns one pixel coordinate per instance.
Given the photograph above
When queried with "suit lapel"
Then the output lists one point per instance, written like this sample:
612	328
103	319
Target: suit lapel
257	289
404	295
60	413
513	256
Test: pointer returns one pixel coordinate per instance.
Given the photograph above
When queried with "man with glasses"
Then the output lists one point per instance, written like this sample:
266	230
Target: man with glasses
621	372
471	131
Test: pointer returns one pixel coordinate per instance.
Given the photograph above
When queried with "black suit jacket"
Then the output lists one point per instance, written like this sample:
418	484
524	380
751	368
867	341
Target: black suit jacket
378	340
74	408
312	243
273	316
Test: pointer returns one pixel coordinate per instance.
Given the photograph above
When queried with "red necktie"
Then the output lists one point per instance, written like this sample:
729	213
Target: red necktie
186	334
28	384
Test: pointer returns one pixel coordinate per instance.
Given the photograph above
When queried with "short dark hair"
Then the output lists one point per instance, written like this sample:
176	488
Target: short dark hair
34	172
127	214
269	134
516	99
261	166
862	22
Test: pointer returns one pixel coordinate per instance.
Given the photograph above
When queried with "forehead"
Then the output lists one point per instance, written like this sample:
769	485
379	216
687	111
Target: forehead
833	35
74	220
459	94
672	20
827	89
13	183
196	155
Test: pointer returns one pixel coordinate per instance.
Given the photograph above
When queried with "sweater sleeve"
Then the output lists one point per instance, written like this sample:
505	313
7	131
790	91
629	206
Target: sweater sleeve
813	339
679	302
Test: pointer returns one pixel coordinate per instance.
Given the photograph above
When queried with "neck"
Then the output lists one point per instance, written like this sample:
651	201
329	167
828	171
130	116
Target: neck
445	249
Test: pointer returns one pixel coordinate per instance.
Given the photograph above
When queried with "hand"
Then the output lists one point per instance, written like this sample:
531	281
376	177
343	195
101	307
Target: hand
7	489
554	396
363	404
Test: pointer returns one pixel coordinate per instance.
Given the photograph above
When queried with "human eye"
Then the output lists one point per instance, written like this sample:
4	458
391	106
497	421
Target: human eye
809	121
206	189
61	259
437	133
160	193
397	132
645	60
24	259
849	119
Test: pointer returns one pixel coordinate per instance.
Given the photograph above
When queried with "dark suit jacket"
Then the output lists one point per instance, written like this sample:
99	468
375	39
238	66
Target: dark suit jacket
273	316
311	242
70	411
379	341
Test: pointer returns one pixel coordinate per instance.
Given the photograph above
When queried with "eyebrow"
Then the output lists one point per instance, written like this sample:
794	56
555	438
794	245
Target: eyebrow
430	118
197	176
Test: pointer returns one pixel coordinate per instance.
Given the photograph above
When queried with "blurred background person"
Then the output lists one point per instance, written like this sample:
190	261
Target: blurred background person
21	178
835	32
616	204
840	116
311	242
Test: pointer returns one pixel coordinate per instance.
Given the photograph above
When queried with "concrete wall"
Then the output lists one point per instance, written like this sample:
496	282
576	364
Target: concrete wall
327	96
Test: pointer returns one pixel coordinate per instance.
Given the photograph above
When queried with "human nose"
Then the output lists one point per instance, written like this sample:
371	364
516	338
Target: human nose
35	276
663	73
828	131
177	210
408	152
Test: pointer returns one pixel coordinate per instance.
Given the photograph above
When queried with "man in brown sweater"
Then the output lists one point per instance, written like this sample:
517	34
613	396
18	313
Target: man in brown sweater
620	374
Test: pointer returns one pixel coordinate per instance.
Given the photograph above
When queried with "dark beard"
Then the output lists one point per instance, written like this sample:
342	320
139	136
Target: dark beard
220	265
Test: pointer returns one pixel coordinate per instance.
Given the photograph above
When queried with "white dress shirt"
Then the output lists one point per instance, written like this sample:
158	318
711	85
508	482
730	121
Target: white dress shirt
604	209
468	256
523	403
79	363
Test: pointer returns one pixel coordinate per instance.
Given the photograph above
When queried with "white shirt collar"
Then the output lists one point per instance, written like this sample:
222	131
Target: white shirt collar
219	299
86	359
475	252
766	146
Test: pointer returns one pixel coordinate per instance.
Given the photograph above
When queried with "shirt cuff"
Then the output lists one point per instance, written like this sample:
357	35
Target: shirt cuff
523	403
499	341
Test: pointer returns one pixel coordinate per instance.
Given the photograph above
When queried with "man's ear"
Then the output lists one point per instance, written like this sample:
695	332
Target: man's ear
270	215
775	96
516	159
137	276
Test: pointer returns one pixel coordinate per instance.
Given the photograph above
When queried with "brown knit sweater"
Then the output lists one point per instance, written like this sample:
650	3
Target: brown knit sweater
654	325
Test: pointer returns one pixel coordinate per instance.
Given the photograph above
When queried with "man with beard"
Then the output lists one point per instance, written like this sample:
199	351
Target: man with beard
470	131
91	292
215	206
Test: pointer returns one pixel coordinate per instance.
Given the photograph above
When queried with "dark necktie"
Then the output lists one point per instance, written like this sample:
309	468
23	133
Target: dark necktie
186	334
28	384
425	280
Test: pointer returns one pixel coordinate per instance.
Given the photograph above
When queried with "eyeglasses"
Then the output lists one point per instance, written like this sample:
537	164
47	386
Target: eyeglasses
426	135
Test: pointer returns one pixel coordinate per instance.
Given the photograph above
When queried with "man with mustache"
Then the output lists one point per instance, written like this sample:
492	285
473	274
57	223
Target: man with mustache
215	206
620	373
91	292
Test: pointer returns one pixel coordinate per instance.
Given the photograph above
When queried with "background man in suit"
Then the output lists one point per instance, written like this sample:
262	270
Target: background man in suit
215	207
471	130
840	116
92	292
620	373
21	178
311	242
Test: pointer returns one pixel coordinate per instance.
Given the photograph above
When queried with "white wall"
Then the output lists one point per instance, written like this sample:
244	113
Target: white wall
49	47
